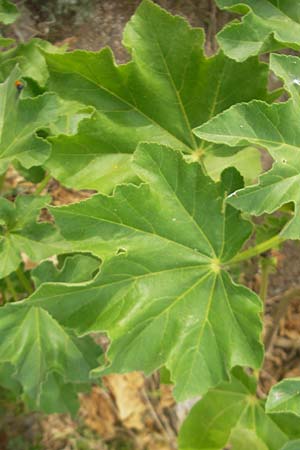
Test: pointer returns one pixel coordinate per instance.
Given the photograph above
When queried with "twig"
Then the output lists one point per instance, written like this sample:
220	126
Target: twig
166	431
42	185
278	312
265	264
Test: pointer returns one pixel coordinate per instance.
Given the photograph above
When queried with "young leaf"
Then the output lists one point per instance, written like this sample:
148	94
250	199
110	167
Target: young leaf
19	232
20	141
276	128
75	269
168	88
8	12
285	397
232	416
162	295
35	345
267	26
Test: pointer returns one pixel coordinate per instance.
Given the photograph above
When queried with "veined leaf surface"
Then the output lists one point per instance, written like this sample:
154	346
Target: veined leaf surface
30	60
285	397
46	358
232	416
167	89
20	119
276	128
267	25
162	294
20	233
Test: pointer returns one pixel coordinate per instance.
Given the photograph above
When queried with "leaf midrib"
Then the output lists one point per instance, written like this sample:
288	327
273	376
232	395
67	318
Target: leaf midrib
132	106
137	230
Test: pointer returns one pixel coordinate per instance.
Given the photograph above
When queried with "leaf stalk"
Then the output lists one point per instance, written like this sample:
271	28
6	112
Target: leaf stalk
42	184
256	250
24	281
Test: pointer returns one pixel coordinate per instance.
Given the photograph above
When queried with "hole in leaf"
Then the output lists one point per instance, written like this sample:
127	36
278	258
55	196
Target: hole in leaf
121	251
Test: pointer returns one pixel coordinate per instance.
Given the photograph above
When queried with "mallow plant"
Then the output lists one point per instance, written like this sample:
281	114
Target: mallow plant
171	141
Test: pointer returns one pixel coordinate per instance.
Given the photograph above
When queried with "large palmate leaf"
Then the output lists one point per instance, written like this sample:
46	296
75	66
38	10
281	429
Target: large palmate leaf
8	12
275	128
232	416
285	397
44	358
20	233
167	89
20	119
267	25
162	294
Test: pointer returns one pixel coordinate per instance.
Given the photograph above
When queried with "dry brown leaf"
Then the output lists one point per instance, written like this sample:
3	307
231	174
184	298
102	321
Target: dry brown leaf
166	399
98	412
57	430
127	392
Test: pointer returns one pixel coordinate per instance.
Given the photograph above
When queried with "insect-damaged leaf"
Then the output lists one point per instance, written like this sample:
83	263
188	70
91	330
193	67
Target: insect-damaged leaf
168	88
275	128
267	25
162	294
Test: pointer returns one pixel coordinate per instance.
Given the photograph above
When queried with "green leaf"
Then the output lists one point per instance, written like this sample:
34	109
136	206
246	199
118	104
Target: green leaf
292	445
35	174
21	142
168	88
75	269
247	162
8	12
20	233
232	416
275	128
6	42
35	345
162	294
285	397
268	25
29	58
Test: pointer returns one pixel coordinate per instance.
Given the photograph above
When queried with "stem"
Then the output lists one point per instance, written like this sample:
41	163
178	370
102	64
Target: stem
2	179
24	281
4	299
256	250
42	184
11	288
278	312
265	272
